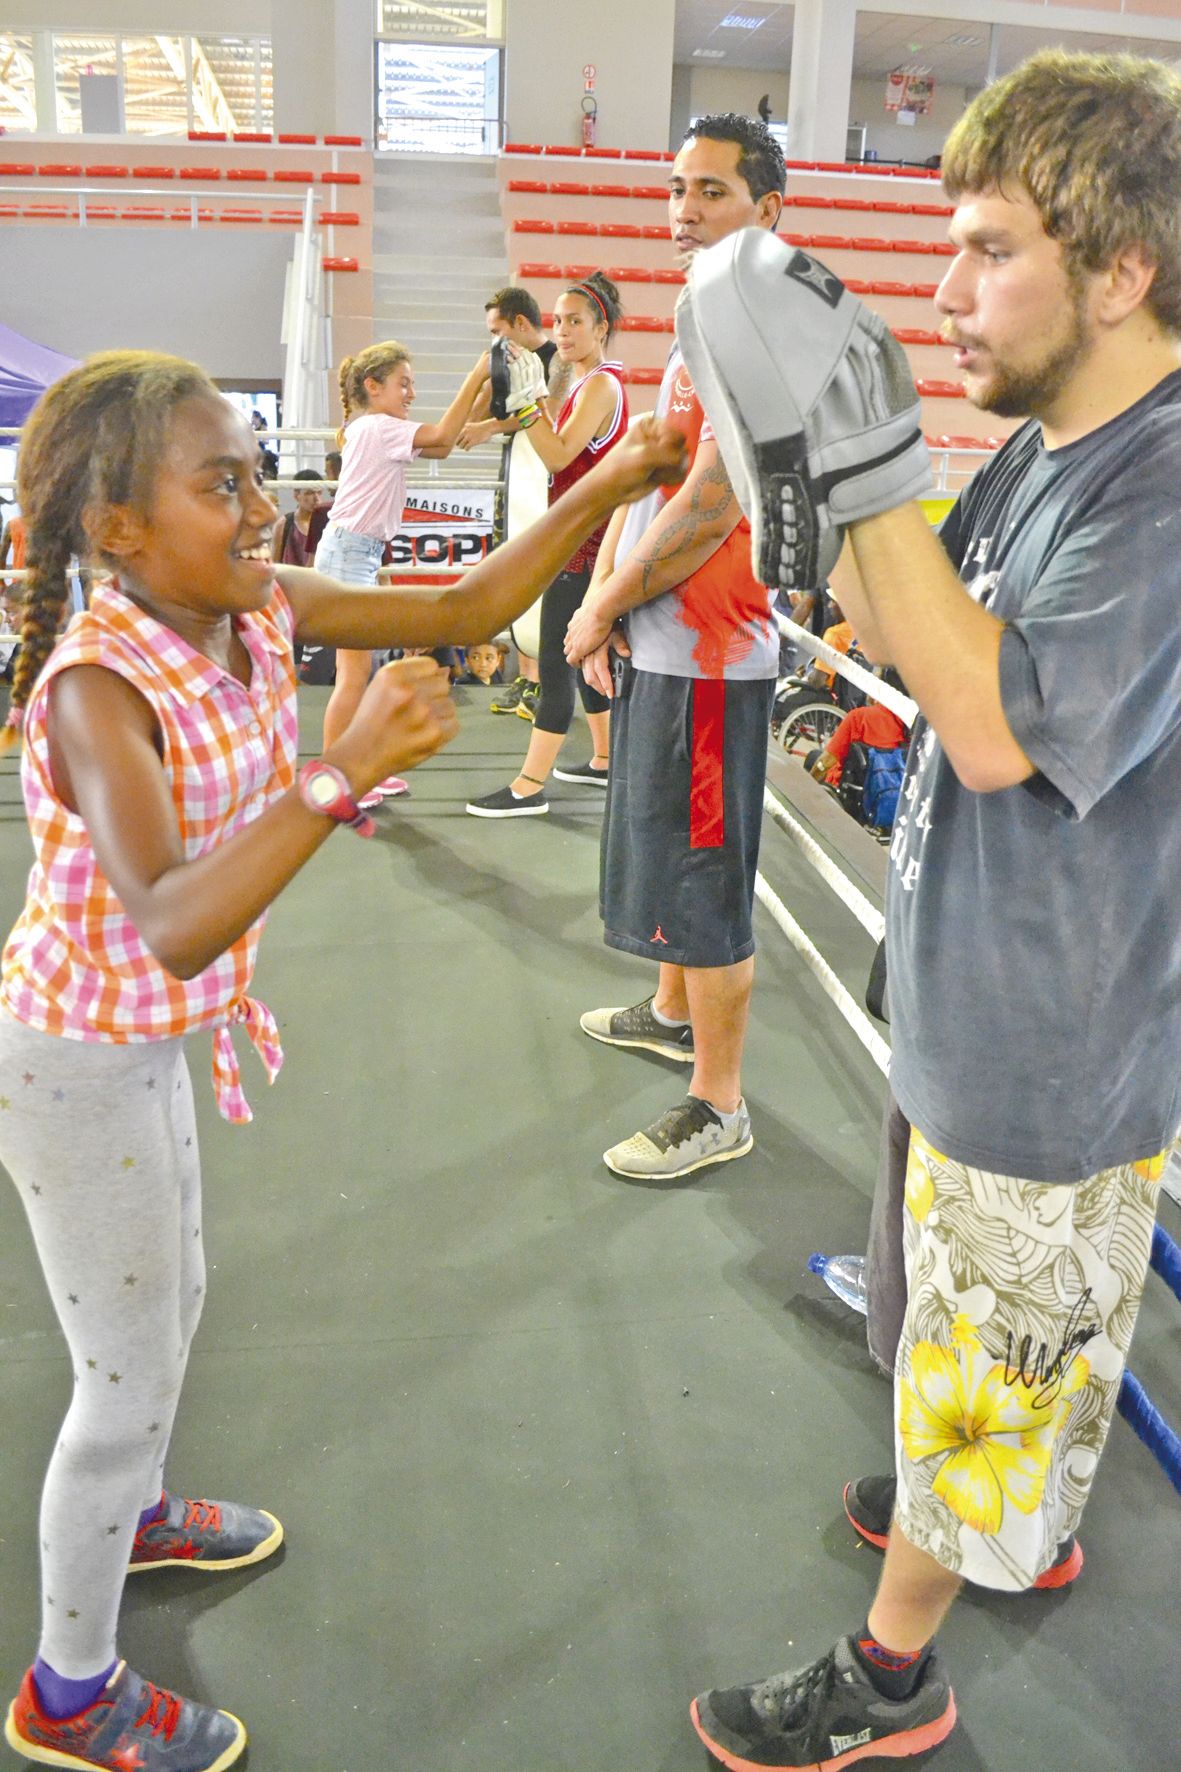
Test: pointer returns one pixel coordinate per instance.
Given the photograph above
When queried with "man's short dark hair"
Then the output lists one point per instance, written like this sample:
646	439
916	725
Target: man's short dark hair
760	158
514	303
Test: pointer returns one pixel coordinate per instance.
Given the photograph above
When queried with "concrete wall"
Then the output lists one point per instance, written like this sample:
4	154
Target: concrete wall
629	45
712	88
899	141
212	297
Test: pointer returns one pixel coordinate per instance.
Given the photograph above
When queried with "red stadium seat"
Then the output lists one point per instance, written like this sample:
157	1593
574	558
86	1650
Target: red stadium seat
646	323
570	188
101	212
153	172
921	288
621	230
536	186
297	141
578	227
668	276
857	287
604	153
59	169
108	172
807	202
656	193
835	242
871	243
240	215
891	288
932	209
569	153
250	175
290	176
338	178
576	273
644	378
632	274
532	225
916	335
891	206
252	135
340	264
642	154
336	218
207	135
200	172
945	249
292	217
16	169
943	390
343	141
531	269
946	442
49	212
141	212
509	147
655	231
181	215
851	203
803	240
610	191
927	246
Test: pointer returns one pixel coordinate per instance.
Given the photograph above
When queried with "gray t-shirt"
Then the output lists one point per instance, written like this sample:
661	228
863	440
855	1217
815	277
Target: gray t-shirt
1034	935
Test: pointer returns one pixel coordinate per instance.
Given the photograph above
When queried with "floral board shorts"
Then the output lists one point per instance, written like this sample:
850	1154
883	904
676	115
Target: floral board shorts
1021	1301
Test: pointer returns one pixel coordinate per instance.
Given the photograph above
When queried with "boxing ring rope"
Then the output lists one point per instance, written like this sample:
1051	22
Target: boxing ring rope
1134	1403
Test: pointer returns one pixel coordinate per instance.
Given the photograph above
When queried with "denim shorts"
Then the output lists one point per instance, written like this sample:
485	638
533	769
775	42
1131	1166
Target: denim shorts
353	559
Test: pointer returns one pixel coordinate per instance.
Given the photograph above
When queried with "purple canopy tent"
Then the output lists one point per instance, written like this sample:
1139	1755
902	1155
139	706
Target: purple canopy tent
26	370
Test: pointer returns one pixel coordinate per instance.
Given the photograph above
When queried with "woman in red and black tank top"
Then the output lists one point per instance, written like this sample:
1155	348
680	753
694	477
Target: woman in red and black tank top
592	418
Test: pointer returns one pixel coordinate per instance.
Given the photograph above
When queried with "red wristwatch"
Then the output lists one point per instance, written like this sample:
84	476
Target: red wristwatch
324	789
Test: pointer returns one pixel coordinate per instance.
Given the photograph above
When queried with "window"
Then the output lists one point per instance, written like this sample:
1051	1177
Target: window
436	100
453	20
159	84
18	105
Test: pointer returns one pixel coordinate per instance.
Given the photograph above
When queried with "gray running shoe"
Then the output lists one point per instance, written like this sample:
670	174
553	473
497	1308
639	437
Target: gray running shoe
506	702
639	1027
130	1724
688	1137
823	1717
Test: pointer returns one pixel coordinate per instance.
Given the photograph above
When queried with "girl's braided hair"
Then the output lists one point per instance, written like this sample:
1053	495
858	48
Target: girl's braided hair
375	362
94	439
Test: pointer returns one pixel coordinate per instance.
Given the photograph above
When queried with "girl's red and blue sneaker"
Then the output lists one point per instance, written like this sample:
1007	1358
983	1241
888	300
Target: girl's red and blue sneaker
214	1536
132	1726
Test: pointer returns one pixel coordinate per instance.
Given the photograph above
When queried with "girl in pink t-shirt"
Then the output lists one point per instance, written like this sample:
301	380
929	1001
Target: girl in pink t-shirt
379	440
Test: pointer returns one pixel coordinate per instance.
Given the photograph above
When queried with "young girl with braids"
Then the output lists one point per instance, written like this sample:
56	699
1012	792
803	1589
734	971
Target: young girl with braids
378	442
590	421
159	774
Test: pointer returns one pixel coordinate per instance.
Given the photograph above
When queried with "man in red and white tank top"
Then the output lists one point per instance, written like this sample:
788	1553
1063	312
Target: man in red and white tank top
690	719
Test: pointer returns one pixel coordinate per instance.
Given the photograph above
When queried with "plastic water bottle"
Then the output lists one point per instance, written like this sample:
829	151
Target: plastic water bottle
844	1275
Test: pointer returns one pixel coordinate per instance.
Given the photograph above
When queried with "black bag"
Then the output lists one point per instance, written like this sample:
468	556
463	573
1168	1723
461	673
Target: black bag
318	666
875	991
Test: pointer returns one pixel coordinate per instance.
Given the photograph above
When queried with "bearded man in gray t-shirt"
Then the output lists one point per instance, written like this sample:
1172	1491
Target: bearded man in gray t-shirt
1033	918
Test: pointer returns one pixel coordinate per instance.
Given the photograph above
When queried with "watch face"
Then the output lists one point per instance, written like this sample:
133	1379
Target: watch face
323	791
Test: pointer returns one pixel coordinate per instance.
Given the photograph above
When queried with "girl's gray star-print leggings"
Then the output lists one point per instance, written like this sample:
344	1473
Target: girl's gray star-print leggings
101	1142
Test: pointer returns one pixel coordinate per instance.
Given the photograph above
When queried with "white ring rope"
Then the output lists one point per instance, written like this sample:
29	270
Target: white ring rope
889	697
856	1017
868	915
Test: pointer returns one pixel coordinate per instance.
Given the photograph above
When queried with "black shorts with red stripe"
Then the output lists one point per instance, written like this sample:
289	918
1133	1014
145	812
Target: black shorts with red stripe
684	816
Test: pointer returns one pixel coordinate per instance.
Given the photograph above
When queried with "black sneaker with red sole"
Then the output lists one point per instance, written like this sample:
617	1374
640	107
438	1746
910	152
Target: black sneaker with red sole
869	1505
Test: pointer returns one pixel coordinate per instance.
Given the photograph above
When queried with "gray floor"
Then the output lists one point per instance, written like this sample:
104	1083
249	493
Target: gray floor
553	1451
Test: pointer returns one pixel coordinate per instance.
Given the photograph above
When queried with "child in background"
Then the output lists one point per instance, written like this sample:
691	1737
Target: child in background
159	773
378	442
482	664
297	535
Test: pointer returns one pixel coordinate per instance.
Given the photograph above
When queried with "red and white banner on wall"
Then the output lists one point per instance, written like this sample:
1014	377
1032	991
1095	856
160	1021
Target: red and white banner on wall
444	530
910	90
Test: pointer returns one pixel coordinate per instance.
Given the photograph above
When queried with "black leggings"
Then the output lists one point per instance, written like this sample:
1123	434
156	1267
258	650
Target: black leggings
554	708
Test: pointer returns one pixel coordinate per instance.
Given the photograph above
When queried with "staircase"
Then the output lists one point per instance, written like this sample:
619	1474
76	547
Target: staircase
438	254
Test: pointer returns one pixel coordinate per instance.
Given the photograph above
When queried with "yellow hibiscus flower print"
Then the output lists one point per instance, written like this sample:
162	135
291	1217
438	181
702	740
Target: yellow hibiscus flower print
919	1187
1151	1168
994	1438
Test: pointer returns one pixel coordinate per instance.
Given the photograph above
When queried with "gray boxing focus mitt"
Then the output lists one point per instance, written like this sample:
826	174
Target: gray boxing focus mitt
811	398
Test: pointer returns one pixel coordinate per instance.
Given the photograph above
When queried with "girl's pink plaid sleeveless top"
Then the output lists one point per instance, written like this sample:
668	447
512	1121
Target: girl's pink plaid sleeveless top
74	964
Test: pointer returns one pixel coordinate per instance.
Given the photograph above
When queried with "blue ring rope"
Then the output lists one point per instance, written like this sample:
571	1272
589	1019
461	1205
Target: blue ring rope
1150	1426
1166	1259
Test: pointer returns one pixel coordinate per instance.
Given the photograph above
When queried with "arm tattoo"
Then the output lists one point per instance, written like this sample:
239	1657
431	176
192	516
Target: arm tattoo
712	495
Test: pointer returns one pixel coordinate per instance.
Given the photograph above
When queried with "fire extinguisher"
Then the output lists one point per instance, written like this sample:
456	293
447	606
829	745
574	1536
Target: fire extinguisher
590	111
